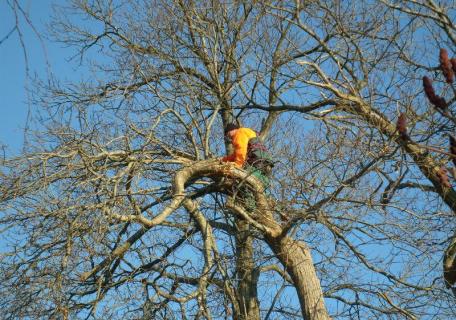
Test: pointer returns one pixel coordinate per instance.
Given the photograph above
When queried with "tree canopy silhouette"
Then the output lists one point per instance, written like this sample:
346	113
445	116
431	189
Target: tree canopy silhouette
120	208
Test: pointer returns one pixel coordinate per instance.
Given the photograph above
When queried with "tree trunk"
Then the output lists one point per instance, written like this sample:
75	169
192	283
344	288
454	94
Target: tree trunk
295	257
246	274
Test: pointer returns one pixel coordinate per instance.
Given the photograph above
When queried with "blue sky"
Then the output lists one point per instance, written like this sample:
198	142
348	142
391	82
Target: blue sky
13	102
13	80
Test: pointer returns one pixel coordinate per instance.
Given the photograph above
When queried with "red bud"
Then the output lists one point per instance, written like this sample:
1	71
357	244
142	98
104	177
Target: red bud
453	149
428	89
436	100
445	66
453	64
401	125
440	103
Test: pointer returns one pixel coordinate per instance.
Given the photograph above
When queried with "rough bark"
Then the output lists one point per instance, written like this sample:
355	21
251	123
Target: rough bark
296	258
246	274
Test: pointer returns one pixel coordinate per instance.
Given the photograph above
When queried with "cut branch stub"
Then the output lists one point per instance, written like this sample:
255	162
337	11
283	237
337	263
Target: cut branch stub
446	66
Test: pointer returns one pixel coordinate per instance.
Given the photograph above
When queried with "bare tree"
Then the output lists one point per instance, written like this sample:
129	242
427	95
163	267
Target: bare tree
120	207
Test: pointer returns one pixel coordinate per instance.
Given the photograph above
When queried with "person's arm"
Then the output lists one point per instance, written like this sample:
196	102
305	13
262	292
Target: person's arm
229	158
239	153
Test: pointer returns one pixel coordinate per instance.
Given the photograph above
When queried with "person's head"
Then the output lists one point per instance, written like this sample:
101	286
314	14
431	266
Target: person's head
230	129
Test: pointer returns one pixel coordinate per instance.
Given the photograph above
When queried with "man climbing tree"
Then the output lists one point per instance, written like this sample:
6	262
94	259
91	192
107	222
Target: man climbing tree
249	152
239	138
117	207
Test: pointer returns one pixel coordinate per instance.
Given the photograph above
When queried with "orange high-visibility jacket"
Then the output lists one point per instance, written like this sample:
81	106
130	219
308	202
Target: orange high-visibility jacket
240	141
